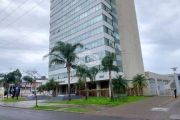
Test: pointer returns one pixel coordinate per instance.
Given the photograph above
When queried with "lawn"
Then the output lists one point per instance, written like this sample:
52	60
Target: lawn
76	110
46	108
100	101
13	100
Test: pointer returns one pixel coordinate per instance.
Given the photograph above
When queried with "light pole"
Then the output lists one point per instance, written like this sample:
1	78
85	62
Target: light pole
176	80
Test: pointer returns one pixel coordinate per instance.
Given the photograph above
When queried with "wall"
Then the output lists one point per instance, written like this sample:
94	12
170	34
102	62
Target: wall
129	39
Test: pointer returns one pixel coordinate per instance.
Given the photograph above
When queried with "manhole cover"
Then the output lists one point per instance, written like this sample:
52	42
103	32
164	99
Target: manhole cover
160	109
175	117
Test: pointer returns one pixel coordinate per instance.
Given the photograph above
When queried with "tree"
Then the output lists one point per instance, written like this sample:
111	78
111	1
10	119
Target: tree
64	53
41	88
108	66
78	85
140	81
83	72
18	76
52	85
31	78
28	80
7	80
94	71
119	84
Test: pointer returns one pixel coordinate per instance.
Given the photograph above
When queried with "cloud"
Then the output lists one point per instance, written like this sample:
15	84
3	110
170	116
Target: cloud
159	32
26	52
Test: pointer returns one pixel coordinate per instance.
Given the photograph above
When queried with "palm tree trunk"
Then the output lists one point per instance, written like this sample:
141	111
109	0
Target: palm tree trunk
111	88
85	88
69	87
141	91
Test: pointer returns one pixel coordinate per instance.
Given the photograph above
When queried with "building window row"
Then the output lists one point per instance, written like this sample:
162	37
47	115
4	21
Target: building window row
62	75
64	9
77	9
83	60
57	4
82	36
76	19
96	43
80	27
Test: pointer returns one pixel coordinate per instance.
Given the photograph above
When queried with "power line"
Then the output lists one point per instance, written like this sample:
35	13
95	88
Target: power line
22	15
13	11
7	6
23	36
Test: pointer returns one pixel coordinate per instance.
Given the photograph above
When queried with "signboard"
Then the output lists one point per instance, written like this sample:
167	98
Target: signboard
1	91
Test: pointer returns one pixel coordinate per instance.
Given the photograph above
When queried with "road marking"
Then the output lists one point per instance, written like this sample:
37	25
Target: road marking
175	117
160	109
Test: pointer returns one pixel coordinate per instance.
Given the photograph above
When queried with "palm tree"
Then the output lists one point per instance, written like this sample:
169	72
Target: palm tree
78	85
94	71
120	84
83	72
64	53
7	80
52	85
108	66
140	81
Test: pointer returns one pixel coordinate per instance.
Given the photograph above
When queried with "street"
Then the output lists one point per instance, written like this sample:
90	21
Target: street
7	113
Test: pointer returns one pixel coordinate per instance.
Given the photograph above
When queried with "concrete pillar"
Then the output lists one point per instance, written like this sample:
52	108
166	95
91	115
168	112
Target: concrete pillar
157	89
98	87
177	84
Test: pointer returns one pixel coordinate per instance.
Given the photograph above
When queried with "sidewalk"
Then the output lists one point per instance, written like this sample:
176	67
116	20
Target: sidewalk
142	109
30	104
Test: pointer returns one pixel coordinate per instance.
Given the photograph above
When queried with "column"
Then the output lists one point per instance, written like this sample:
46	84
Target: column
177	84
157	89
98	87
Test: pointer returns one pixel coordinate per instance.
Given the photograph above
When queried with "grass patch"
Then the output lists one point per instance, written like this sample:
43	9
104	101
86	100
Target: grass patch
46	108
13	100
100	101
77	110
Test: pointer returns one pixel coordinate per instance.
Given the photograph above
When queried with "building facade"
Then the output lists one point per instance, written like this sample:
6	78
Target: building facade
103	27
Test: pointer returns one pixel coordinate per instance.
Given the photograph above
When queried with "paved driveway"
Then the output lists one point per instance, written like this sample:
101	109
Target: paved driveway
142	109
25	114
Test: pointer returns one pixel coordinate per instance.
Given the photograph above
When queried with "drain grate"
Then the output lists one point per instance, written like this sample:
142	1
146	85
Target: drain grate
160	109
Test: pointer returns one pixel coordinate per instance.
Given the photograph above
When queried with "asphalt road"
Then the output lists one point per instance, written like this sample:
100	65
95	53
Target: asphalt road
7	113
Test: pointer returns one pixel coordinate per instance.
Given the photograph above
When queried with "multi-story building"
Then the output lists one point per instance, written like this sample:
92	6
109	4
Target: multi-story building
103	27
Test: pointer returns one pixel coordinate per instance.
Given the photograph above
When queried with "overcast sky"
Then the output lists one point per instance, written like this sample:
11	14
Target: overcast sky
159	28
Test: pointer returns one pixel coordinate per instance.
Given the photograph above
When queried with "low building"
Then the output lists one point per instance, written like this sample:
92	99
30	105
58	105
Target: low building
163	85
27	88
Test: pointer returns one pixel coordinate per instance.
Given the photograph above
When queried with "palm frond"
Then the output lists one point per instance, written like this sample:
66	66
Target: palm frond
56	61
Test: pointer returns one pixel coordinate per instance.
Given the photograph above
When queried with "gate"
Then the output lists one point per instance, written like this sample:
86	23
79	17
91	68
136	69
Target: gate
162	88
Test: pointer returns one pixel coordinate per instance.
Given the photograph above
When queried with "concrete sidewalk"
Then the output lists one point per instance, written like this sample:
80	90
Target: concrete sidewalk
30	104
22	104
142	109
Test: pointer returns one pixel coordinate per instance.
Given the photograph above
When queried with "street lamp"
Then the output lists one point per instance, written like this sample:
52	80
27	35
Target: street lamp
176	80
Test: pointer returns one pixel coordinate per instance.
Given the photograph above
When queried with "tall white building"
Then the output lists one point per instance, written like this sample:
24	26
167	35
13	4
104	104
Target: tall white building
103	27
